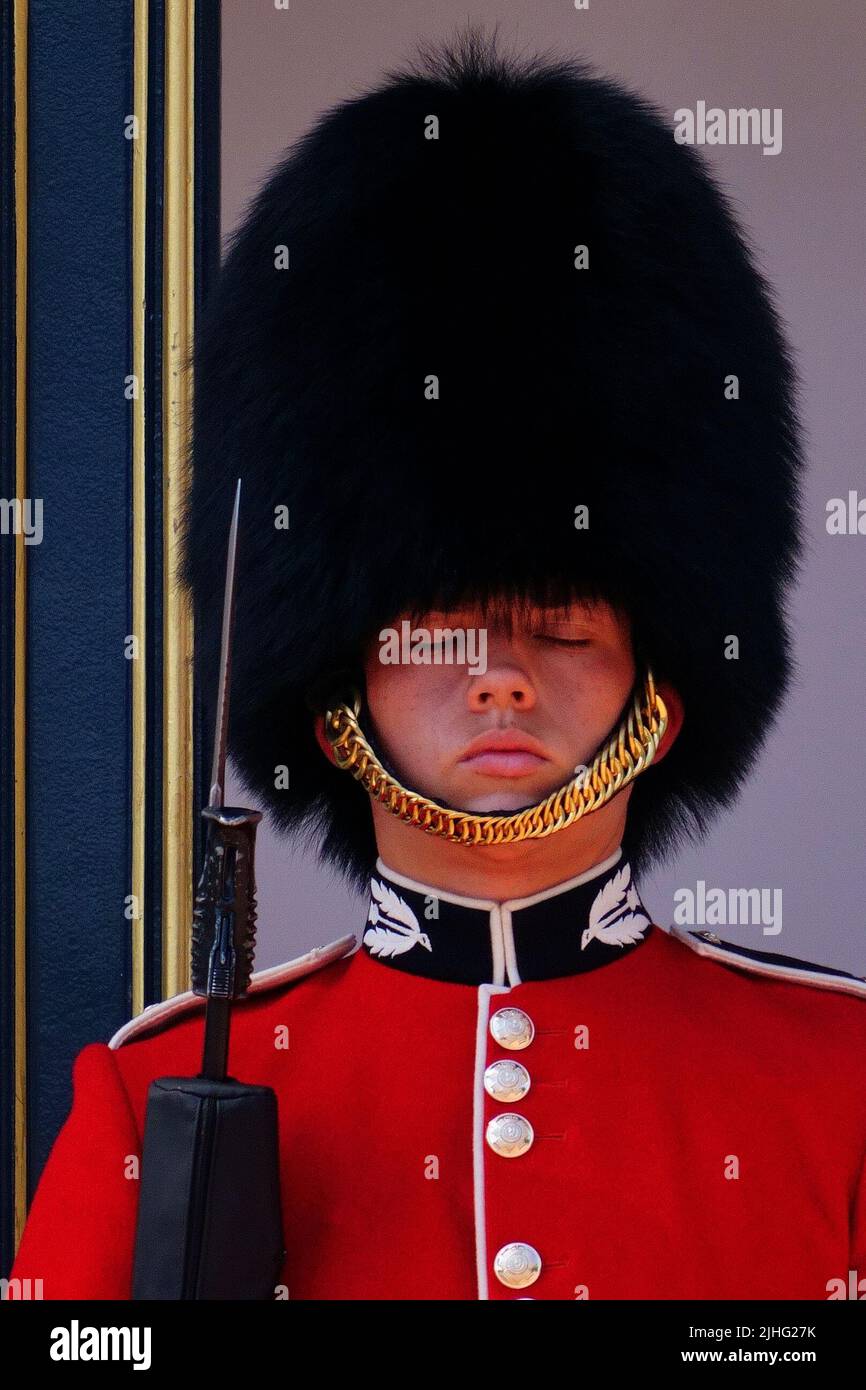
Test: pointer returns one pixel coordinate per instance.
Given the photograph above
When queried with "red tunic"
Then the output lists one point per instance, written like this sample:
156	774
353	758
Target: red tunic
694	1124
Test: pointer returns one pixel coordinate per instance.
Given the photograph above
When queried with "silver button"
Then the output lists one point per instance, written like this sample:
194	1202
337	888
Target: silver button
517	1265
512	1028
711	936
506	1080
510	1135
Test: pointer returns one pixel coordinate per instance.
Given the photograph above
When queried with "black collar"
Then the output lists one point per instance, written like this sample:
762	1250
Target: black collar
578	925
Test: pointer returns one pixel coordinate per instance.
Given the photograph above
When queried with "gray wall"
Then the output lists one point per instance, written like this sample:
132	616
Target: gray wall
798	827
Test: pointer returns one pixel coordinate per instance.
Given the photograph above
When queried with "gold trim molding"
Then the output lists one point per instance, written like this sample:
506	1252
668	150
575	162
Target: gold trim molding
178	324
138	672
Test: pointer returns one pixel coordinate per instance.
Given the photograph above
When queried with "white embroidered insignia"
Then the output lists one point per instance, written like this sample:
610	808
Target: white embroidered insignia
400	929
606	920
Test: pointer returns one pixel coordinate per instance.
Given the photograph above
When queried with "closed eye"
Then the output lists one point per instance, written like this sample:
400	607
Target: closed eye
563	641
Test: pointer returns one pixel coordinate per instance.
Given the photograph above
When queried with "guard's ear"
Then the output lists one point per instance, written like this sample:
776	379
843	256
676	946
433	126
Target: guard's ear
676	715
321	695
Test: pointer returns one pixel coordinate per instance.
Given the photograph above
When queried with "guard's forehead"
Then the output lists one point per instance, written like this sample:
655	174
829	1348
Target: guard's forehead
515	611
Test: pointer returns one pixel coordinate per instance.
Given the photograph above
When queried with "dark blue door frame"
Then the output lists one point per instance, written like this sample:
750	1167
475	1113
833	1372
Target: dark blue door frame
101	729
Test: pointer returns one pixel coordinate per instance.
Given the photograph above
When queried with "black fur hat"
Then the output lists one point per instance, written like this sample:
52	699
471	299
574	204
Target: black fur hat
430	230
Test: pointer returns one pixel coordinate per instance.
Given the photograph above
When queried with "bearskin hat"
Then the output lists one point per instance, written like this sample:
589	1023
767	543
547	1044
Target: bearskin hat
429	231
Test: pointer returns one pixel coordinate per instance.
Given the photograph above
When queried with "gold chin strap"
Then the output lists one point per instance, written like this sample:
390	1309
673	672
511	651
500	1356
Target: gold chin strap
617	763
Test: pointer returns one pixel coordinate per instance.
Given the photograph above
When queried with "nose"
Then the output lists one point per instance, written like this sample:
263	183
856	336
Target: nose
502	687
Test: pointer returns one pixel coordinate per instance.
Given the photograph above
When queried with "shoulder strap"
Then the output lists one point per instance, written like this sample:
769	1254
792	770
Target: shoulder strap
260	981
775	967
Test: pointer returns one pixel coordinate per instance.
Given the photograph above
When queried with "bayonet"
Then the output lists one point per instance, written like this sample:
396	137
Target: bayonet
209	1212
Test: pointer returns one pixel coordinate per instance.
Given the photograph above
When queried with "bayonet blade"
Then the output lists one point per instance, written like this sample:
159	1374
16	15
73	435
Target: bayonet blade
218	768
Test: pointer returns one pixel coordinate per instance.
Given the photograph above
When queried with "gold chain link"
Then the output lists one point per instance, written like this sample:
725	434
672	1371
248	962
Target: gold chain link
617	763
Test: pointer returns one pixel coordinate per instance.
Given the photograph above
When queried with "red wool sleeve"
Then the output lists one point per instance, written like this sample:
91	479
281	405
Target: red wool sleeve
80	1232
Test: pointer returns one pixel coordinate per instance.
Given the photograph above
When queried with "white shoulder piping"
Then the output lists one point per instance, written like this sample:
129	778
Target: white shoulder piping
259	981
775	972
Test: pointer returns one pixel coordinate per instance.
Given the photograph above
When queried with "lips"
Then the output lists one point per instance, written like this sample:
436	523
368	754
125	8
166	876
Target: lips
504	753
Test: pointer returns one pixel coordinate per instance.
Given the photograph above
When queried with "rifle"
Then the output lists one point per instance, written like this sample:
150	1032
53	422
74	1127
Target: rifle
209	1218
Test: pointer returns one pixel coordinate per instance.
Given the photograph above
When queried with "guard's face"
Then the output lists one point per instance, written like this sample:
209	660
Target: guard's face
503	737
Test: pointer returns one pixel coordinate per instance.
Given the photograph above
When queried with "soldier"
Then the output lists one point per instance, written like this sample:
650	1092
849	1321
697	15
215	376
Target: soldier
495	362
